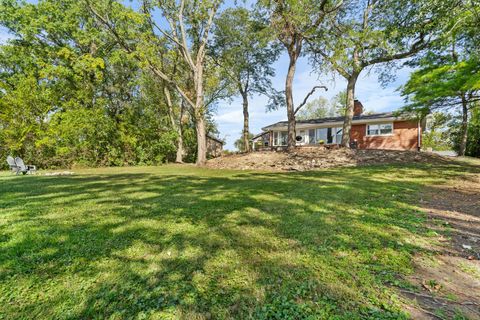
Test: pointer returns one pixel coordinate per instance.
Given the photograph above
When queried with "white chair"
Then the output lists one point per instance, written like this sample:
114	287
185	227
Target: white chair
25	169
12	164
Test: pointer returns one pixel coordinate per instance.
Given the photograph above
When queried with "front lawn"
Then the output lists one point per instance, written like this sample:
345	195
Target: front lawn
182	242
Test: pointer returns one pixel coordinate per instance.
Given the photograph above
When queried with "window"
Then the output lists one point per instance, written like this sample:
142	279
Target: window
311	136
379	129
280	138
322	135
338	135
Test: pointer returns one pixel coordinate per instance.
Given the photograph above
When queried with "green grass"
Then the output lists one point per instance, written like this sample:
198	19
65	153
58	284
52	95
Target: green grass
182	242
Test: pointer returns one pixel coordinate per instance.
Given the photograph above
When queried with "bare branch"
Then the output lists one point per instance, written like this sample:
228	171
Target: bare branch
127	48
154	25
186	52
308	96
203	42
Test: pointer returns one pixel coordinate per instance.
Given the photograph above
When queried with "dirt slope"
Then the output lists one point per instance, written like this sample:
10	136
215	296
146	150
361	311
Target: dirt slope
305	159
449	281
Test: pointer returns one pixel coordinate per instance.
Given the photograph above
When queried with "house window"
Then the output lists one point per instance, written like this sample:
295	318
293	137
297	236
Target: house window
322	135
338	135
311	136
380	129
280	138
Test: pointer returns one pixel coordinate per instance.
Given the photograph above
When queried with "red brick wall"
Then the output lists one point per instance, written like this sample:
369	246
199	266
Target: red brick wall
405	137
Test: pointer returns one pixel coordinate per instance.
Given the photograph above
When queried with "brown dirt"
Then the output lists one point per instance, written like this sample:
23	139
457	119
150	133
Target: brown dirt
448	282
305	159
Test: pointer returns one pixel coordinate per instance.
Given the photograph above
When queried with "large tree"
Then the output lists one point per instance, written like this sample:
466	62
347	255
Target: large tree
444	83
448	76
244	49
365	33
70	94
187	25
293	22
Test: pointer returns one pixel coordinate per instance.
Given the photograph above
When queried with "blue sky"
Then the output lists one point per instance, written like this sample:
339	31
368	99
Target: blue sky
229	117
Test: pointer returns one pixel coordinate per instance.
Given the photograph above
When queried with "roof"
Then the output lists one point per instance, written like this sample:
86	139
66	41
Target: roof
215	139
259	135
364	117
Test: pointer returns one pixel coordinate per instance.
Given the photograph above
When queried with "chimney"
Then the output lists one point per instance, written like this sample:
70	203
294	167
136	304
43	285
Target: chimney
357	108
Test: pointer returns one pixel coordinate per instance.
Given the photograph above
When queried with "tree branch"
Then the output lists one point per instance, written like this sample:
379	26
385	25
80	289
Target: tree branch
187	55
335	65
308	96
125	46
419	45
204	40
153	25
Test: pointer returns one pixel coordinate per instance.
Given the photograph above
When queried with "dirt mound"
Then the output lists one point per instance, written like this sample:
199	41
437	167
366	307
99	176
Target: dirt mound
304	159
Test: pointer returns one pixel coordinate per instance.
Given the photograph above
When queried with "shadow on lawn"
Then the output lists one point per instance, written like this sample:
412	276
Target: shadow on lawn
214	244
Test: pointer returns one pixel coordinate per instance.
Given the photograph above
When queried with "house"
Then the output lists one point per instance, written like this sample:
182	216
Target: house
369	131
214	147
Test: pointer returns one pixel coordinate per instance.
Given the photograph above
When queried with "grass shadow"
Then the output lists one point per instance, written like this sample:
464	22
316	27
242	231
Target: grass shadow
195	243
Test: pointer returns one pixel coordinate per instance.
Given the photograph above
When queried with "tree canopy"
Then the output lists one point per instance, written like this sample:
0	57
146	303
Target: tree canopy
448	75
112	83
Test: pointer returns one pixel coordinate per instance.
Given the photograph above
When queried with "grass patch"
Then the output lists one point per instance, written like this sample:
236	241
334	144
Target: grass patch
183	242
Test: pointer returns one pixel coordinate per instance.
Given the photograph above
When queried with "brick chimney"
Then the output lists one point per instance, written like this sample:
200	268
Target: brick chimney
357	108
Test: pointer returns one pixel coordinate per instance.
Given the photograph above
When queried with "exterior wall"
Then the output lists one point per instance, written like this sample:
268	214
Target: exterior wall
404	137
214	148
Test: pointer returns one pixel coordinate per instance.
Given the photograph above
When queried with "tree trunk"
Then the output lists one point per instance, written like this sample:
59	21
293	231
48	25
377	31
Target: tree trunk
464	130
291	137
350	104
246	129
180	150
176	128
200	116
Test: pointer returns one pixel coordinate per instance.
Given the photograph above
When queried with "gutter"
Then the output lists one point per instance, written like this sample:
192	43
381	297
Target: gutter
336	123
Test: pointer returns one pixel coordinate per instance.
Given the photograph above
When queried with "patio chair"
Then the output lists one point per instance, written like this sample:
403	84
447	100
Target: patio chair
12	164
25	169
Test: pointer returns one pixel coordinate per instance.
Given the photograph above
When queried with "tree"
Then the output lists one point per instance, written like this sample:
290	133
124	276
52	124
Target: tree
370	32
445	84
448	76
473	143
243	47
189	25
239	143
339	102
437	133
70	93
292	23
322	108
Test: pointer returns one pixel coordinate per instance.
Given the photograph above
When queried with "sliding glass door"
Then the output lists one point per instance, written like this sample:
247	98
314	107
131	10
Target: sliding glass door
311	136
280	138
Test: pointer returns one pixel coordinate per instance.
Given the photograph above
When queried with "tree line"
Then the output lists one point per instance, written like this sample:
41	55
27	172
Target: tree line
107	82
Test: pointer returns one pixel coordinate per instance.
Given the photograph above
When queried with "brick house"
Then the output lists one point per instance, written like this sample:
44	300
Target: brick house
369	131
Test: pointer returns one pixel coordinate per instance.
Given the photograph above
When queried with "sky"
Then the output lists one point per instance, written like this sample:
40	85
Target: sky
229	115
